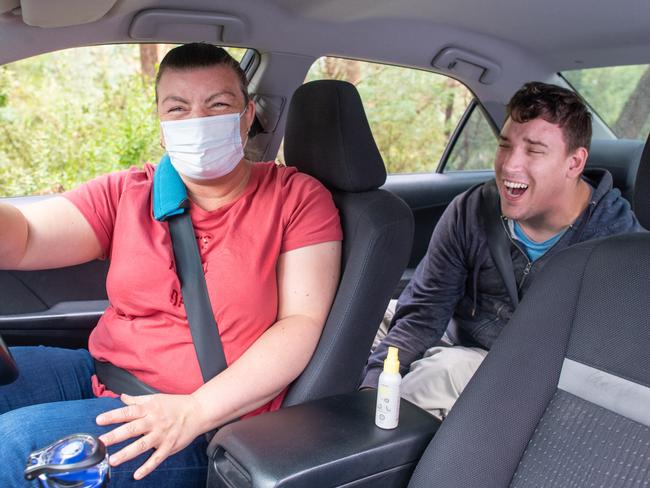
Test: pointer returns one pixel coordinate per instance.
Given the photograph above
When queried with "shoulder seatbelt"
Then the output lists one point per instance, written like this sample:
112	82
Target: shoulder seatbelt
203	325
498	241
170	205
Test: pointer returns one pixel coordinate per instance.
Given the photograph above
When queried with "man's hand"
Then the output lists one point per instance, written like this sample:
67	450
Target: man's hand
165	423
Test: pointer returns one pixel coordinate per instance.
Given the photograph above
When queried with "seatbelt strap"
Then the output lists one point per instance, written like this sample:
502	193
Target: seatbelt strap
119	380
203	325
498	241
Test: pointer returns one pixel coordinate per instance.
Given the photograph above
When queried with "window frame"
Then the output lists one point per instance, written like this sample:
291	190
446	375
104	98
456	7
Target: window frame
458	128
455	136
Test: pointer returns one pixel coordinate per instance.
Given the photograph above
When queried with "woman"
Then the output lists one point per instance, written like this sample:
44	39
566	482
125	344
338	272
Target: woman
269	240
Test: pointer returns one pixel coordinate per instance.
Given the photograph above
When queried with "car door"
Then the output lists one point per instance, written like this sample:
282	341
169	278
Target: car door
57	307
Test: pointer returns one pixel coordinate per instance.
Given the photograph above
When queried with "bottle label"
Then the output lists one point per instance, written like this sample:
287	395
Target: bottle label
387	414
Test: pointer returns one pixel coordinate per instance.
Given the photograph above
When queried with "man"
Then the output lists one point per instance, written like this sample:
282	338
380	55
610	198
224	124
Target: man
547	204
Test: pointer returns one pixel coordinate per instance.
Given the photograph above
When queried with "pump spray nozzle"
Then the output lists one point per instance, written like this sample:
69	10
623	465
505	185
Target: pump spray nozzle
391	363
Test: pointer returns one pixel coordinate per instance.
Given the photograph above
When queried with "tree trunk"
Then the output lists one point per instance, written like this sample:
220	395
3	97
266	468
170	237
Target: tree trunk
148	61
352	71
450	91
330	68
634	115
342	69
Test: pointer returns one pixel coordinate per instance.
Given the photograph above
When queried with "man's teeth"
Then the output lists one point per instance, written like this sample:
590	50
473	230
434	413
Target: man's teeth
513	184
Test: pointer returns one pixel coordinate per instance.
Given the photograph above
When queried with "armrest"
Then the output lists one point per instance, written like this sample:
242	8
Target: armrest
328	442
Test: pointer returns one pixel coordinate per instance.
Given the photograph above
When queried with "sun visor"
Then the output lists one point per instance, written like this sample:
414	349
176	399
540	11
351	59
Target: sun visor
61	13
187	26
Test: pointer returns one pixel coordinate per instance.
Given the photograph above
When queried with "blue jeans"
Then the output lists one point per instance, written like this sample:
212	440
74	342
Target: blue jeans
53	398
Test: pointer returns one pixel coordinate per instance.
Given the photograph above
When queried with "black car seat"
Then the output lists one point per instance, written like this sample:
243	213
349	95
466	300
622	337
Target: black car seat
563	398
327	136
641	199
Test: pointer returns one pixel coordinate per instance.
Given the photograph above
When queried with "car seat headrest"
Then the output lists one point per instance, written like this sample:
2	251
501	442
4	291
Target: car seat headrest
328	137
641	200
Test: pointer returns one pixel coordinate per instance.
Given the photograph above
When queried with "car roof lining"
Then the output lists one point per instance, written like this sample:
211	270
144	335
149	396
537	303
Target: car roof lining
408	33
39	13
560	33
367	41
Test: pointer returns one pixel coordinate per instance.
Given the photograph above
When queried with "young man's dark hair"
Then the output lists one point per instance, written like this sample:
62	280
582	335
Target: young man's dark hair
201	55
556	105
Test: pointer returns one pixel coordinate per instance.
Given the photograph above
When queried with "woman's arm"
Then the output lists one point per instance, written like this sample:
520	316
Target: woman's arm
307	281
46	234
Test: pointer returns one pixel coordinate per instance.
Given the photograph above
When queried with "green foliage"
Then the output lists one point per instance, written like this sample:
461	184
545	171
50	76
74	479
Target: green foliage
411	112
72	115
608	90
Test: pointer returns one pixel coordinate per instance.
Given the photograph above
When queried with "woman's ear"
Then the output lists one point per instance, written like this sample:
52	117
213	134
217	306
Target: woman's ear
250	115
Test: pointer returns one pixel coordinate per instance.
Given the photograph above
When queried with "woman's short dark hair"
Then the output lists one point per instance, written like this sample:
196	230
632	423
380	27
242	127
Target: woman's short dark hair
556	105
201	55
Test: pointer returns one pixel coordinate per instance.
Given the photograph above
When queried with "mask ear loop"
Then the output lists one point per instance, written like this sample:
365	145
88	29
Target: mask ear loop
243	144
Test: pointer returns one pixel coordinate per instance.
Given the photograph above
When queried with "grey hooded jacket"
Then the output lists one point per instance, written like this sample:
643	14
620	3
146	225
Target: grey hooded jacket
458	282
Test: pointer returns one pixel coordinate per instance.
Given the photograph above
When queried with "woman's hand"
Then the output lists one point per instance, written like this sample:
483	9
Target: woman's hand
165	423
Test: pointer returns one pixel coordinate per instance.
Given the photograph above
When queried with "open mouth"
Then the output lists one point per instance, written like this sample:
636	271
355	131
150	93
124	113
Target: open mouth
514	189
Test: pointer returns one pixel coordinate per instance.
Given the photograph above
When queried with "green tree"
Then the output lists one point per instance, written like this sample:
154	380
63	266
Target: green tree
620	95
633	119
411	112
72	115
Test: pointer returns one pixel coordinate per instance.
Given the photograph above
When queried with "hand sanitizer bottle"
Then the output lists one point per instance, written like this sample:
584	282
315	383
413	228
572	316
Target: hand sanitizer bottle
387	415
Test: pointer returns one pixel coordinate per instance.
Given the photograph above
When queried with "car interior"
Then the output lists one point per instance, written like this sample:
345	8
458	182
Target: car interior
562	398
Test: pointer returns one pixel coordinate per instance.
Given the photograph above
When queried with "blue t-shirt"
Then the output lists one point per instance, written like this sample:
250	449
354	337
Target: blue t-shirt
533	249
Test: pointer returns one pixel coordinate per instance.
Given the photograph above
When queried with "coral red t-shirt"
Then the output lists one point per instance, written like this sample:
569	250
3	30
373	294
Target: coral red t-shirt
144	329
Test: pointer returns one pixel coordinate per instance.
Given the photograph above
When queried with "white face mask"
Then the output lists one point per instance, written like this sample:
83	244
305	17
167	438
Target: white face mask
204	148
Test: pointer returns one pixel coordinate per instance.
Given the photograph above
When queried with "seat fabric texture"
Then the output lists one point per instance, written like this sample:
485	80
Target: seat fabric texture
520	422
641	200
328	137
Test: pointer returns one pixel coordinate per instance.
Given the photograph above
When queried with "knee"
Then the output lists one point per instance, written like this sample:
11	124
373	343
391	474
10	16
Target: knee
14	431
442	369
17	443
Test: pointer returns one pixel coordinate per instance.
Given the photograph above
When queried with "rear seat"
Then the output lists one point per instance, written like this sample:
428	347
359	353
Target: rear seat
641	200
621	158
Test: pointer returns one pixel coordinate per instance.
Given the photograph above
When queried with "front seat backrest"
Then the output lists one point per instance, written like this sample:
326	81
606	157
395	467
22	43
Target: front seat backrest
328	137
563	397
641	200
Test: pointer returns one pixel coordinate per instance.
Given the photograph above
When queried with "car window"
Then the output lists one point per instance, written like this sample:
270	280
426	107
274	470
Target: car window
68	116
475	145
412	113
620	95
